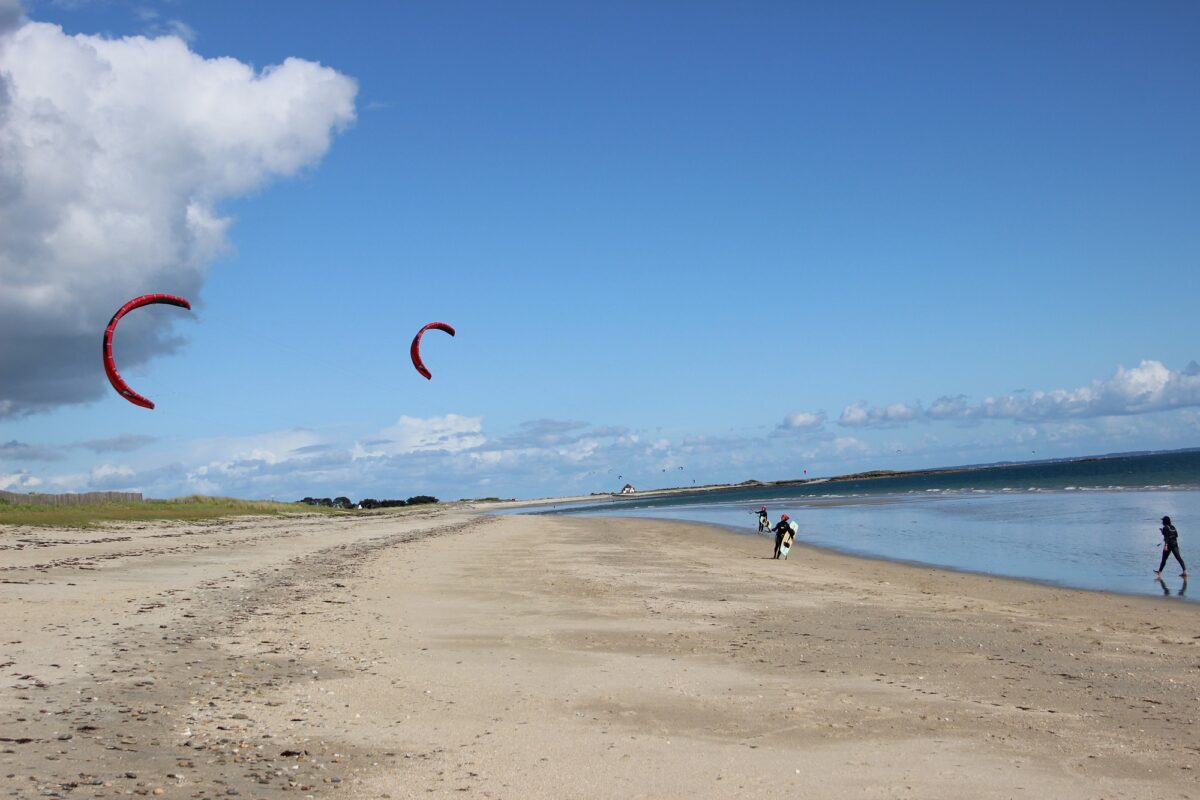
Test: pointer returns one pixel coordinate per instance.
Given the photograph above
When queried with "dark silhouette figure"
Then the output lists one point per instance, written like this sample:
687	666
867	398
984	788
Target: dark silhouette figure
1170	547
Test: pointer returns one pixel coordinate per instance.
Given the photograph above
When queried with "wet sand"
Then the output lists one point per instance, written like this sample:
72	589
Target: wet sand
445	653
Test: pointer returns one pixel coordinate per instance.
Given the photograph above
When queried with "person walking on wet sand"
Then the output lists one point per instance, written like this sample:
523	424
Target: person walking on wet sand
1170	547
781	530
764	522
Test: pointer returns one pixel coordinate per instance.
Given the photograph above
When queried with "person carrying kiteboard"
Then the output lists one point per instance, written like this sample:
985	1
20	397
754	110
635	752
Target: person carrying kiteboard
782	530
764	522
788	538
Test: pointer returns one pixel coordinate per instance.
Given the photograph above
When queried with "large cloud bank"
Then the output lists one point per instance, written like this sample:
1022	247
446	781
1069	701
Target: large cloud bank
114	156
1148	387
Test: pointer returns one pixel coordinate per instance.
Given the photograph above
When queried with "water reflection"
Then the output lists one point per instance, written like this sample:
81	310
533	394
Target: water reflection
1166	590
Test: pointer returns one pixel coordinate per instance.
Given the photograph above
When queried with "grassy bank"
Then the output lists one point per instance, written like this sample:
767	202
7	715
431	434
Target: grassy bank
183	508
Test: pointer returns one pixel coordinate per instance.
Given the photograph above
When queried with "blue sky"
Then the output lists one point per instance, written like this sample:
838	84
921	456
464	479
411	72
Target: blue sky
749	240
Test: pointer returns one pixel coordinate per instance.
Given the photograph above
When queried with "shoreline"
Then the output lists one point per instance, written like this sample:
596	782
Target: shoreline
526	656
800	545
1091	557
868	476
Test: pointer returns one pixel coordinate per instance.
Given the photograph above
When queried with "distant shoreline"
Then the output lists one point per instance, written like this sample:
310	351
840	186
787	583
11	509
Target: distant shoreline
879	474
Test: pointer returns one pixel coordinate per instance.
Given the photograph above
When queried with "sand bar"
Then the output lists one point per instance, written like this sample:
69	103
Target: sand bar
445	653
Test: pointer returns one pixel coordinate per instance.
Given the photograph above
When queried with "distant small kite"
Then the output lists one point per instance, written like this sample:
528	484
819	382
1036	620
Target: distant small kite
110	366
415	350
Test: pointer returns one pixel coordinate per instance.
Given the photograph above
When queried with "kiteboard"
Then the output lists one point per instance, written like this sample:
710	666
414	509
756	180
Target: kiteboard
788	538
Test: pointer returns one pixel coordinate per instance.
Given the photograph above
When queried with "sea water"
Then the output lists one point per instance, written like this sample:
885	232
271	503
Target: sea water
1090	524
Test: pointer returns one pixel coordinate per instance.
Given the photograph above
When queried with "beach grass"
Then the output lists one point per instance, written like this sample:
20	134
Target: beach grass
196	507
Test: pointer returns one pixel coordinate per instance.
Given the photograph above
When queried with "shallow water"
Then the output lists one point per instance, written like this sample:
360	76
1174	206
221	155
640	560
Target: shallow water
1105	540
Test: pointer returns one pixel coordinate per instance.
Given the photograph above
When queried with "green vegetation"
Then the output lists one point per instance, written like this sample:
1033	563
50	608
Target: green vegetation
189	509
368	503
875	473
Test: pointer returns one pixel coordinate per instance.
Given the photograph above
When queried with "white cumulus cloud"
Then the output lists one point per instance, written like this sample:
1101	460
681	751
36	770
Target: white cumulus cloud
859	415
111	476
114	157
19	482
272	447
849	444
1148	387
803	420
451	433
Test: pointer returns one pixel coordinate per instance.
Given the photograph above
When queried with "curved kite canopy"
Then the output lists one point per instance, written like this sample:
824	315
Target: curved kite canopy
110	366
415	350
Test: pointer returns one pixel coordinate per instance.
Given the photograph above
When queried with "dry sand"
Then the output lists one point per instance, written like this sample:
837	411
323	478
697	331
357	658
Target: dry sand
540	657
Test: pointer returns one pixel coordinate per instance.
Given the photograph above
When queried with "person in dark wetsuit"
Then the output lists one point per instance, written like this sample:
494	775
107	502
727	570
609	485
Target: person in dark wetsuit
781	530
764	522
1170	547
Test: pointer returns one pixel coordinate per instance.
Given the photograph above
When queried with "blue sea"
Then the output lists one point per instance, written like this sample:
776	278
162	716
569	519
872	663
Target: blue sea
1087	523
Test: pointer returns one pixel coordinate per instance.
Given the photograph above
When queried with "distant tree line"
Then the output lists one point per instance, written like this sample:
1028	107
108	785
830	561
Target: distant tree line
367	502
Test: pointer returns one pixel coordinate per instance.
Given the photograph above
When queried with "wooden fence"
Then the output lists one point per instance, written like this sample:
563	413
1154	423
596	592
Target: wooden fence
71	499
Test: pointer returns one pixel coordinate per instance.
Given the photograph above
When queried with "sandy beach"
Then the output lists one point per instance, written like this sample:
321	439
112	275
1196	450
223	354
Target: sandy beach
449	653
